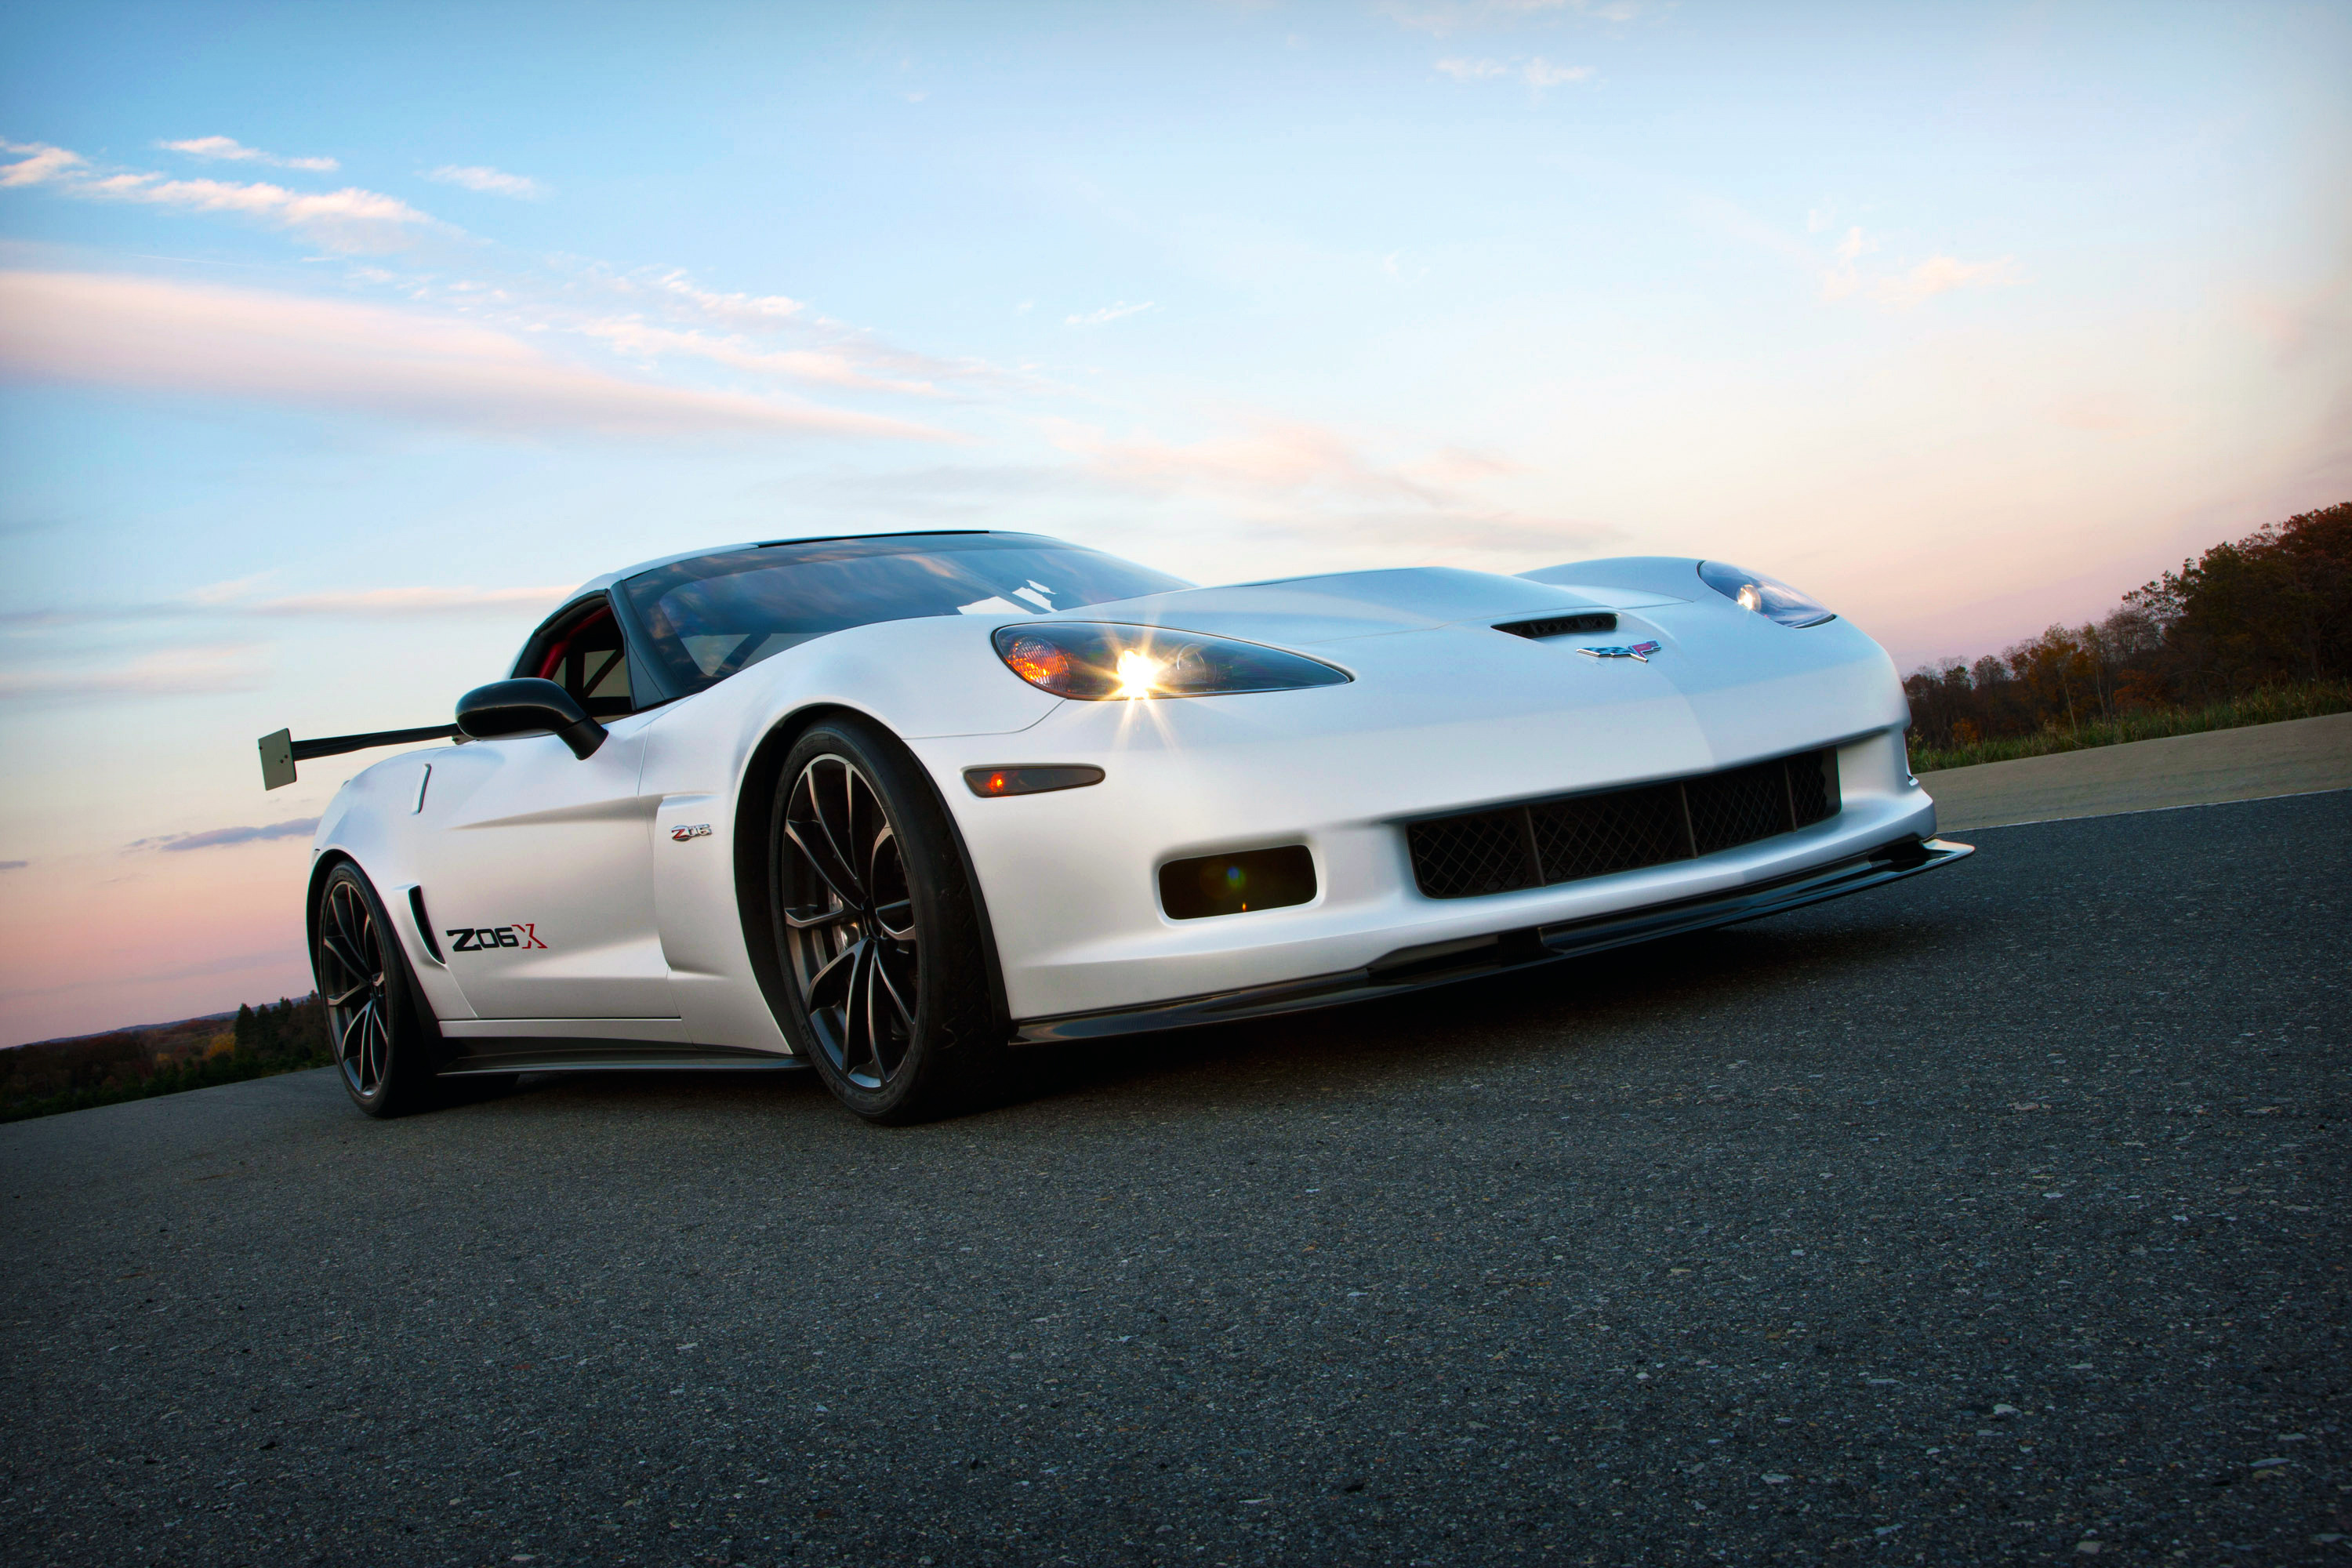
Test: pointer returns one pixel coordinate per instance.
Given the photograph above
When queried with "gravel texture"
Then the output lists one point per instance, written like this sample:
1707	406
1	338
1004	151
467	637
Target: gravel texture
1999	1216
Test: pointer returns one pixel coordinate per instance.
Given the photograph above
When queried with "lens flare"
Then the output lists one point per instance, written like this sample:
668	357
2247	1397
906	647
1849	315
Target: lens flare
1138	673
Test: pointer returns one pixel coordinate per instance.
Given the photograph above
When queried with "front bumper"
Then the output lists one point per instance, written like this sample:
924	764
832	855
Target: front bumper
1413	969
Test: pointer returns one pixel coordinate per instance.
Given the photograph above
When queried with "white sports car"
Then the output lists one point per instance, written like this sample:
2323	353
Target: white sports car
889	805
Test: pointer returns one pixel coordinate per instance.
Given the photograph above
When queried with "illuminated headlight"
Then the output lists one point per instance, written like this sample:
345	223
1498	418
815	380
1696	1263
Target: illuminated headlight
1098	662
1768	596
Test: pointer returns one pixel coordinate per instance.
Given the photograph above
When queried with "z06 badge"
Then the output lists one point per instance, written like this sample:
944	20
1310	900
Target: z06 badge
1640	652
697	830
522	934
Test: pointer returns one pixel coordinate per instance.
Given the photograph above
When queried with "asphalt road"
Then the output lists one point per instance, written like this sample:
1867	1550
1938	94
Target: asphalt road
1995	1216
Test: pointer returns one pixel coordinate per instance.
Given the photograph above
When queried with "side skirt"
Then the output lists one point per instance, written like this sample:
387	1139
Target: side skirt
1441	964
612	1056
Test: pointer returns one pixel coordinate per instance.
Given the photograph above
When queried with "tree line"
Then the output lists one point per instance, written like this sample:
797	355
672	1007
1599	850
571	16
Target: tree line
162	1058
2252	616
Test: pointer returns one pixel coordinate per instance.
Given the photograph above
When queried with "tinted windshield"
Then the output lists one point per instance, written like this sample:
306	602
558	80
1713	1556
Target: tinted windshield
715	614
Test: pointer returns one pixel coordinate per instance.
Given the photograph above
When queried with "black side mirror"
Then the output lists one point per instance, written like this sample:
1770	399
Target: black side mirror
528	707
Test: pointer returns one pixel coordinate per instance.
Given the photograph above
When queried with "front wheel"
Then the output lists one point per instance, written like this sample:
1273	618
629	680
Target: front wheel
384	1046
877	931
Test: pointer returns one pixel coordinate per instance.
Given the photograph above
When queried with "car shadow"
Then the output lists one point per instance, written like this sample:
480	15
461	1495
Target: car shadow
1414	1043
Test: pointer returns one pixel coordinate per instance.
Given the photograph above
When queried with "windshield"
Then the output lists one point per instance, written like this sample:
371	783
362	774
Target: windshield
708	618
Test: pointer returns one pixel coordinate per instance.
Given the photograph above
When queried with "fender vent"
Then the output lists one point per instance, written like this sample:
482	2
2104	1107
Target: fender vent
1566	839
416	909
1560	626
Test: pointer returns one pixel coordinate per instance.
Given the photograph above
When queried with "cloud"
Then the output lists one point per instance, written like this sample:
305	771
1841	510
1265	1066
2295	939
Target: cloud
301	827
14	865
226	599
235	152
1311	482
1537	72
1941	274
403	602
43	164
217	667
295	349
348	219
488	181
1108	314
1443	18
635	337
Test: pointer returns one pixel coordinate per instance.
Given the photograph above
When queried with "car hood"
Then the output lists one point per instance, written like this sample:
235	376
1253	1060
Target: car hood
1341	604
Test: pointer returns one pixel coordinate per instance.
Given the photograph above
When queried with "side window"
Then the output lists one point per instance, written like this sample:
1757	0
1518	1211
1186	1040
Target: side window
584	657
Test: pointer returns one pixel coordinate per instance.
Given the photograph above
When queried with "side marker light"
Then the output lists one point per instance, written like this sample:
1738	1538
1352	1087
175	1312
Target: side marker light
990	782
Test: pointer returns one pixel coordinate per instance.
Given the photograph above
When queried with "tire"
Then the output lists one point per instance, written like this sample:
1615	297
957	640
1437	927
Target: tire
385	1048
877	931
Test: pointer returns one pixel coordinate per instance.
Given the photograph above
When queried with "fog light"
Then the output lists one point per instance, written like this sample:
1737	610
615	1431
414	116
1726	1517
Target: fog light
1236	884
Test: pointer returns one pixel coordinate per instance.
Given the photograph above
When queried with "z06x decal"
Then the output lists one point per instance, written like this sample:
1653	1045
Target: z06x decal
522	934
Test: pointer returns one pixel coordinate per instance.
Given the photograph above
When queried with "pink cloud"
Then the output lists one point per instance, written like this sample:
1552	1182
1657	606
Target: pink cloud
287	348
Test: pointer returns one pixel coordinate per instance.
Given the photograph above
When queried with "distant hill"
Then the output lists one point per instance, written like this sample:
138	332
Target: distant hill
43	1077
153	1029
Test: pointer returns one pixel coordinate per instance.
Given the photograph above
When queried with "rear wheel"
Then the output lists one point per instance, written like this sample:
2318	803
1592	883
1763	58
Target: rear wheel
877	931
384	1047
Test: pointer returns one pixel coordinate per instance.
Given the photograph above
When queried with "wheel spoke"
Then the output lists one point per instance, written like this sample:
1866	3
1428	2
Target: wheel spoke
813	918
833	976
829	811
344	998
344	954
892	986
857	1033
379	1041
889	1043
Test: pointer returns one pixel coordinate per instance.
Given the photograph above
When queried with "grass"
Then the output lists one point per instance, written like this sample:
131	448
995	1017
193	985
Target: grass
2271	706
195	1073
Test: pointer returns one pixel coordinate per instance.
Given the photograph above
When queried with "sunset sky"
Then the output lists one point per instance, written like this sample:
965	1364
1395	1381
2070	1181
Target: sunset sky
337	340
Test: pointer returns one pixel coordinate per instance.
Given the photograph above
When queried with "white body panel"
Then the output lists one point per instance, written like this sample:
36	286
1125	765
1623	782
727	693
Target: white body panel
1444	713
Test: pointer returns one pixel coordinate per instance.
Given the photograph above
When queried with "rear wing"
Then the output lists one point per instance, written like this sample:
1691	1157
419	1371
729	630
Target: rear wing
281	751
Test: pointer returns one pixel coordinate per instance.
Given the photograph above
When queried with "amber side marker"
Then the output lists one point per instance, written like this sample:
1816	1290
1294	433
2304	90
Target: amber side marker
990	782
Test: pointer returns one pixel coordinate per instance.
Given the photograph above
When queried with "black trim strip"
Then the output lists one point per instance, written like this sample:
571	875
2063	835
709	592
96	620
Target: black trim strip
523	1054
1440	963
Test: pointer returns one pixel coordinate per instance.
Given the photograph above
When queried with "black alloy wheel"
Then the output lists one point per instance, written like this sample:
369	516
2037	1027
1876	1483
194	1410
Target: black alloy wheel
877	931
382	1047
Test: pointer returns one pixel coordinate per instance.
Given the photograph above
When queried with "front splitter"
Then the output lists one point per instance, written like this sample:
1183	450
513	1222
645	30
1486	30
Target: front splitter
1414	969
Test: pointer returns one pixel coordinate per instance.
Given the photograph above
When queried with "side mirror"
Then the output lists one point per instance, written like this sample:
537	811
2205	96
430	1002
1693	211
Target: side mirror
525	708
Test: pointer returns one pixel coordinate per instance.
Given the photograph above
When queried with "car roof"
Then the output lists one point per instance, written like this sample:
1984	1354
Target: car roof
598	584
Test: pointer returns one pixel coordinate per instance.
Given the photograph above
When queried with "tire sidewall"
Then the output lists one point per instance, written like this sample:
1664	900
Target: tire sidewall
942	907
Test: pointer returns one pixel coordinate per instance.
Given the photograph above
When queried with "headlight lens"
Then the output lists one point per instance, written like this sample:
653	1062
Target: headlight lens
1768	596
1097	661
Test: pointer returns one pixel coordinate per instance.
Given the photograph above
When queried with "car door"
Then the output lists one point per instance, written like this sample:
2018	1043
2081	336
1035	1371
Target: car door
538	865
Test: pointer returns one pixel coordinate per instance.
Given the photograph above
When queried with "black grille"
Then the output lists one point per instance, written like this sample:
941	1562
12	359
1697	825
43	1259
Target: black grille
1560	626
1481	852
1550	841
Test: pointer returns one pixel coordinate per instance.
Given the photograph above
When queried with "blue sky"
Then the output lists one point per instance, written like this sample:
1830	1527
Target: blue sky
335	339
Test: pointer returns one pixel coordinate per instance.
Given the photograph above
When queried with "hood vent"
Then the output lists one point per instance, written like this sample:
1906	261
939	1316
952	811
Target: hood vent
1560	626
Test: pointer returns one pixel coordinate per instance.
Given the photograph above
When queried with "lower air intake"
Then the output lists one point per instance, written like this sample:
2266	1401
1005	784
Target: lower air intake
1565	840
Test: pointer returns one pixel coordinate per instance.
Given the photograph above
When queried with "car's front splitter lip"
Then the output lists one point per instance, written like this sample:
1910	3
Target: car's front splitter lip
1411	969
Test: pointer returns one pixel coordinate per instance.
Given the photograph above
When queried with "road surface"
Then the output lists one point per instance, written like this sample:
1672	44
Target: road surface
1997	1216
